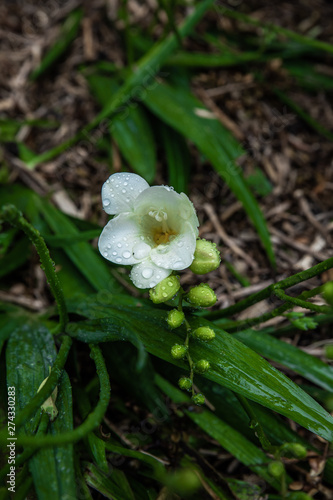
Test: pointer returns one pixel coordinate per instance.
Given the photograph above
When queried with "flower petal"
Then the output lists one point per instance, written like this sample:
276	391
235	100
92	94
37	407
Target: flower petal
179	253
122	241
120	191
147	274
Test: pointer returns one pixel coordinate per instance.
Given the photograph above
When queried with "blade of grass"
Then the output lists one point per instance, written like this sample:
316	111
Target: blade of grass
67	34
131	130
273	28
308	366
314	124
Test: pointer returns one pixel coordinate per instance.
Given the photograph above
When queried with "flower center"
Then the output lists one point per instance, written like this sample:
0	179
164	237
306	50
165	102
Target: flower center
161	236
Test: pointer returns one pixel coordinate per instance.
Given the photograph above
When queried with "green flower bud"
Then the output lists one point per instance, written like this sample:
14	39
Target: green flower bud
164	290
202	296
178	351
206	257
185	383
204	333
184	482
198	399
175	318
276	469
329	351
296	450
202	365
328	293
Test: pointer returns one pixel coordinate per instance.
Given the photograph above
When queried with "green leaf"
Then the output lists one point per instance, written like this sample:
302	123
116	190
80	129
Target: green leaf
113	486
16	257
130	128
259	182
67	34
288	355
178	158
233	364
29	355
91	265
182	111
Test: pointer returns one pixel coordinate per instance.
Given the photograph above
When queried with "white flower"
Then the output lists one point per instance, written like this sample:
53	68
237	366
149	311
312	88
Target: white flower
155	228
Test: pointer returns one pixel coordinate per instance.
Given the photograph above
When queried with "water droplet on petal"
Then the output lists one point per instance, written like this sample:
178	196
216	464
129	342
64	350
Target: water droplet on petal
125	183
119	245
105	254
152	284
180	244
123	191
126	254
114	253
178	265
119	259
147	273
164	294
106	202
170	283
141	250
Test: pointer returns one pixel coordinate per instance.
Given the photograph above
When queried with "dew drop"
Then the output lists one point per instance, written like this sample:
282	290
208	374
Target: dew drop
123	191
164	294
178	265
163	287
125	183
106	202
180	244
147	273
119	259
126	254
170	283
105	254
114	253
119	245
108	180
112	180
152	284
112	195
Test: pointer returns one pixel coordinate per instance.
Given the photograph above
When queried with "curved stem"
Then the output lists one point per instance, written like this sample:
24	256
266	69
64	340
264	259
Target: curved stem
302	303
11	214
91	422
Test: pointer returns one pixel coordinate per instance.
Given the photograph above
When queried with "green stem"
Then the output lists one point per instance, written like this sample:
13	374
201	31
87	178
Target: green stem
305	40
145	70
254	423
11	214
268	291
239	325
91	422
189	359
302	303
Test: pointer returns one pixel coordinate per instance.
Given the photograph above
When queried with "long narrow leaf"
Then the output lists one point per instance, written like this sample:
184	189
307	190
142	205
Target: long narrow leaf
182	111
